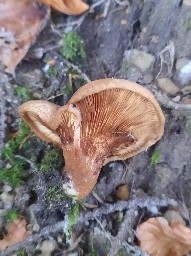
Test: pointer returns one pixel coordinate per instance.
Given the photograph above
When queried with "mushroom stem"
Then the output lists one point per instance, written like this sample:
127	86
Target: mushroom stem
81	170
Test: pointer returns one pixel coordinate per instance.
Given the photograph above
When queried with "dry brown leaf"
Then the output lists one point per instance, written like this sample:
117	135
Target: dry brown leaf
123	192
20	23
71	7
16	232
159	238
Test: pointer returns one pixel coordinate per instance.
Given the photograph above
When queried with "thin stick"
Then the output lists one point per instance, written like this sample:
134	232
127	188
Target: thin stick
144	202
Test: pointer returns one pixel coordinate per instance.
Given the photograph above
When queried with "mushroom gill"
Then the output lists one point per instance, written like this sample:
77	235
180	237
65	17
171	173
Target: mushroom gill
105	120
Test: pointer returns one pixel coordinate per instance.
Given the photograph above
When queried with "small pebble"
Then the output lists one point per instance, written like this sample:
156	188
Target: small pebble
37	95
124	22
36	227
171	216
176	99
47	247
7	188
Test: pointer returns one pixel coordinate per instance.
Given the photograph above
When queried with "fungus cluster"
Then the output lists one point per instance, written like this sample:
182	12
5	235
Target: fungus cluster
105	120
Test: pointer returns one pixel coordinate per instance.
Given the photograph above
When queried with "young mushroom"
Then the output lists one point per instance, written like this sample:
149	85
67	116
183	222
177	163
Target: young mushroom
105	120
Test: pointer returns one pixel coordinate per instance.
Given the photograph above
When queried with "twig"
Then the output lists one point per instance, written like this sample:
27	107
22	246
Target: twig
74	245
97	197
125	232
96	4
80	72
171	49
55	96
167	103
143	202
104	231
32	164
2	122
106	9
122	3
75	24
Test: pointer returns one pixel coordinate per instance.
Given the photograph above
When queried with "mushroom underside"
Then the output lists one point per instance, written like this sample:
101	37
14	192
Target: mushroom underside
114	124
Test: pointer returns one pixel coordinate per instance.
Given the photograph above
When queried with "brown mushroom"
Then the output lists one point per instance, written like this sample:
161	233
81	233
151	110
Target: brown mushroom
105	120
71	7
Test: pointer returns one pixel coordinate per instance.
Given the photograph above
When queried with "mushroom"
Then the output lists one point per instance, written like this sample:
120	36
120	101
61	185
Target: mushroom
70	7
105	120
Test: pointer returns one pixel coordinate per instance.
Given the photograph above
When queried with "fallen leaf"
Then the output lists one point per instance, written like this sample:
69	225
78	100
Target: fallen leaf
71	7
16	232
20	23
159	238
123	192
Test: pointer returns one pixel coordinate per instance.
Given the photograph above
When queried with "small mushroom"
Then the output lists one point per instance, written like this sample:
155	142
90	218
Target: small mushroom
105	120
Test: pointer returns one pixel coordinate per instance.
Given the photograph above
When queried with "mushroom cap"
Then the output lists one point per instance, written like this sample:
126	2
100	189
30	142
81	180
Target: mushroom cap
40	115
118	116
70	7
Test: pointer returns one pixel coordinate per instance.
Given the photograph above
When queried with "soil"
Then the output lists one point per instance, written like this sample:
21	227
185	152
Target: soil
159	28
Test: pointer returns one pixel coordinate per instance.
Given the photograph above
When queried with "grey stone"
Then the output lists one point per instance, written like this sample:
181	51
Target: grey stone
187	2
184	74
140	59
167	85
176	99
148	78
36	227
180	63
7	200
7	188
188	126
171	215
37	95
47	247
36	53
2	213
163	174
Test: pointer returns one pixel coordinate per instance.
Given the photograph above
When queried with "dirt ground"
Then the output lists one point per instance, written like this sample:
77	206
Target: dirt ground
144	41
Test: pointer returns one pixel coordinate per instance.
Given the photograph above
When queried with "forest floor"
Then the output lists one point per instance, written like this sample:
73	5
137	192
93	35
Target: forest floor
147	42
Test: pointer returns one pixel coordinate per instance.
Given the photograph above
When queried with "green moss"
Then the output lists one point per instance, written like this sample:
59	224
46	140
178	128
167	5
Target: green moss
12	171
12	214
73	47
21	252
122	252
93	252
23	93
72	219
53	71
13	144
55	194
52	160
120	218
155	158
